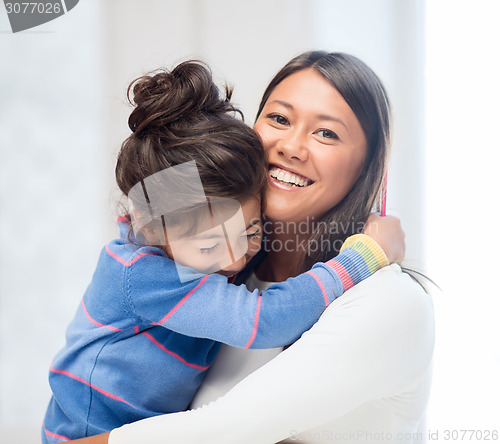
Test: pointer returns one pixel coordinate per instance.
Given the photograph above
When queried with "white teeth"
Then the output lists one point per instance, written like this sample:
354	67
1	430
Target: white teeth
287	177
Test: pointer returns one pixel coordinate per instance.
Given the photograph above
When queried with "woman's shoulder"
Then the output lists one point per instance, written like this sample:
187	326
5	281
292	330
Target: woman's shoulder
392	291
391	296
388	308
385	324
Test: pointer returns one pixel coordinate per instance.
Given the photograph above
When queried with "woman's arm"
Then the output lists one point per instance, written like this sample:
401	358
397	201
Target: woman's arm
368	345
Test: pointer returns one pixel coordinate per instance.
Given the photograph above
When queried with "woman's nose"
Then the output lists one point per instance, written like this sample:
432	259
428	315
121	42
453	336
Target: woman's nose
293	146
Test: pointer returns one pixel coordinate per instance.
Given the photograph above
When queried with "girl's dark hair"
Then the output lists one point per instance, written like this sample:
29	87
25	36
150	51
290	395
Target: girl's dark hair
180	116
364	93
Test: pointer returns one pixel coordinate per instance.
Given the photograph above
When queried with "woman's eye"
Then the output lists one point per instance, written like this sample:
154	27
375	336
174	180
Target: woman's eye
208	250
327	134
279	119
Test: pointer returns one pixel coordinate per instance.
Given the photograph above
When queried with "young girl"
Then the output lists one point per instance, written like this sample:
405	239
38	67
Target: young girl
152	319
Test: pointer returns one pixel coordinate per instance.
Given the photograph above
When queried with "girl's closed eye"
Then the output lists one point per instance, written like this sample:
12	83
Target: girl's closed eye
209	250
253	235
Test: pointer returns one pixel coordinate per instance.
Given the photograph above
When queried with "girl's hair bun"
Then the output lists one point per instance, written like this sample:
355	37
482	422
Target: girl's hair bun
179	116
164	98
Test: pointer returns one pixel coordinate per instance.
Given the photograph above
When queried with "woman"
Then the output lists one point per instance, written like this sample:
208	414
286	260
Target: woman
362	372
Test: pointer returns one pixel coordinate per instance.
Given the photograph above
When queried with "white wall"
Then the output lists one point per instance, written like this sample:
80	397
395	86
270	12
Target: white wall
53	203
463	185
63	116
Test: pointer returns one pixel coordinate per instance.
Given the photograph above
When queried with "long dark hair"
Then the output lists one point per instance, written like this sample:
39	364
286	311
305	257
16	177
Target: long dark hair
365	94
180	116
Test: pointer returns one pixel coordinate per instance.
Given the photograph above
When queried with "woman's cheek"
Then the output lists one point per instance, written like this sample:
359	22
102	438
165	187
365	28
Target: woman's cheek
264	133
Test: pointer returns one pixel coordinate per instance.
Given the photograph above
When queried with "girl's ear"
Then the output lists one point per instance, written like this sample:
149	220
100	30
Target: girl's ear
148	231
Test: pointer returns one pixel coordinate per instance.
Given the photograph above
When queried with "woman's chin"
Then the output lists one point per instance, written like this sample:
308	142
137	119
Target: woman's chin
281	212
284	206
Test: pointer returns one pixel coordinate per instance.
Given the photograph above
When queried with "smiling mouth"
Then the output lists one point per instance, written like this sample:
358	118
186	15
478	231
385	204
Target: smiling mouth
288	178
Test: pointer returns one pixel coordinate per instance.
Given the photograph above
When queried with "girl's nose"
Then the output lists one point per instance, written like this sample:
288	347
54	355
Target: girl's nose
237	265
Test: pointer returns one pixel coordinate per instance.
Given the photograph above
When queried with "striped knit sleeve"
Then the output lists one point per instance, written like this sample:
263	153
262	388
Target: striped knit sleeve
359	258
213	309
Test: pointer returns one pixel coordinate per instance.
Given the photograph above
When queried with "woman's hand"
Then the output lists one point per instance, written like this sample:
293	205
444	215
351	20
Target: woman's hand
389	234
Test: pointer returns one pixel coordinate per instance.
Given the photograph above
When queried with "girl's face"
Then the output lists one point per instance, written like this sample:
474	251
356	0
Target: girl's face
315	144
226	242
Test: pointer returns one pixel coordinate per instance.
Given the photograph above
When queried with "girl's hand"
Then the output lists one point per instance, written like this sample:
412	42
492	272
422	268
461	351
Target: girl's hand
389	234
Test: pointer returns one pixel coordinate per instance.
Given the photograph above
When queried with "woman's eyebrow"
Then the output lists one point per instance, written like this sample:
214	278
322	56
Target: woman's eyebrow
332	119
285	104
318	116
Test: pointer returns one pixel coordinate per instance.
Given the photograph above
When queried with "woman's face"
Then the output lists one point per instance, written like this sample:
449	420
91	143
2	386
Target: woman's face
315	144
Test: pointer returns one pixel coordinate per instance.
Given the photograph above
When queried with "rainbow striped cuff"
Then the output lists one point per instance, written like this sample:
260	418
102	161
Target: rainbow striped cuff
373	254
359	258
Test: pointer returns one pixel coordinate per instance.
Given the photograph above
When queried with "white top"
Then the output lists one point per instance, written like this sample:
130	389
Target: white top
361	374
233	364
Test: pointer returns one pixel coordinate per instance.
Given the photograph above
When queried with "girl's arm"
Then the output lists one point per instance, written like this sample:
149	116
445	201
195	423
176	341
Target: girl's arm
211	308
370	345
